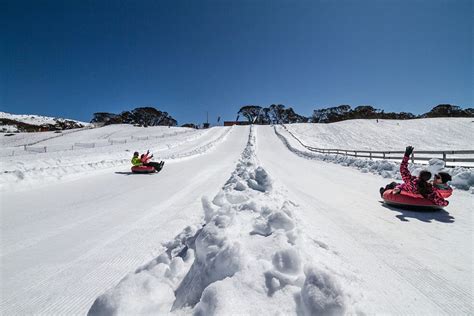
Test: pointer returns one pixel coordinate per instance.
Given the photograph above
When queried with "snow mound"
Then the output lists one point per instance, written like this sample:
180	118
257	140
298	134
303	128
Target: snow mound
463	178
248	257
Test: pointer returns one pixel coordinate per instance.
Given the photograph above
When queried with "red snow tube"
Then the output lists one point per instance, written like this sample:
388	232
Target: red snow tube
407	199
143	169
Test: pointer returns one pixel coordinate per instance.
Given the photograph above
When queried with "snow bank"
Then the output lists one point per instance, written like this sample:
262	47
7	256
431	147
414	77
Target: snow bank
463	178
250	256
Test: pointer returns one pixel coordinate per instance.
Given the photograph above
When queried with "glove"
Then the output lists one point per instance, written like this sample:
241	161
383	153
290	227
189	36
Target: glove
409	151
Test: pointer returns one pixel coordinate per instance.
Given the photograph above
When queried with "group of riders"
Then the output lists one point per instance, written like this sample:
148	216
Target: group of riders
430	190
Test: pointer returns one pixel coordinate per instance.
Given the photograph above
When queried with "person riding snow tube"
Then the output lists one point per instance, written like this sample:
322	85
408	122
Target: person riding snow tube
414	191
144	165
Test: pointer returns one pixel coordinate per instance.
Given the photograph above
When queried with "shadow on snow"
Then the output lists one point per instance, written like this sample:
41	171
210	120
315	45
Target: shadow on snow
128	173
424	215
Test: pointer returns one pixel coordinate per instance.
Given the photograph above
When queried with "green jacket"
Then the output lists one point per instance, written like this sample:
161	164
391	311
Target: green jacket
136	161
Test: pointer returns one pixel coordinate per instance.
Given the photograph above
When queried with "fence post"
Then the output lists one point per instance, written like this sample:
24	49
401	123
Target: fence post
355	152
44	148
412	158
370	155
383	155
24	147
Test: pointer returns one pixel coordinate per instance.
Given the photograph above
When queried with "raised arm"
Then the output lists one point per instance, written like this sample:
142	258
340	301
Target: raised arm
404	172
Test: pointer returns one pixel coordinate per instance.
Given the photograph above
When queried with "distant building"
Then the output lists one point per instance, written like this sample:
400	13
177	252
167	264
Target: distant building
230	123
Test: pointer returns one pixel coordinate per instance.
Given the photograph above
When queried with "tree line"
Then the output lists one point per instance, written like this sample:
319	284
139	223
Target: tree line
143	116
279	114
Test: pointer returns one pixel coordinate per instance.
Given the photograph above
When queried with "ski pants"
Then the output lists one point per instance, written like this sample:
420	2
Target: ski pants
153	164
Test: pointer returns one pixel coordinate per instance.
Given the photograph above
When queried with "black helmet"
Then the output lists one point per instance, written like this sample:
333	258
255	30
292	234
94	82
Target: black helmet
135	153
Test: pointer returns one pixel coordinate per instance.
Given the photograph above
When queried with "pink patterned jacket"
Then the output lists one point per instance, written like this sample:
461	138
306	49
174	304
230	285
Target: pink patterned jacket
411	185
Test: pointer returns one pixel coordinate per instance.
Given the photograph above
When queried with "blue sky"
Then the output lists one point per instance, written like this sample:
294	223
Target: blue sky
73	58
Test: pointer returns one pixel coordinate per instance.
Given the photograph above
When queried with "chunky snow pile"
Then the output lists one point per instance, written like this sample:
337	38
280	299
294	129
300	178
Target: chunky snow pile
249	257
463	178
446	133
36	168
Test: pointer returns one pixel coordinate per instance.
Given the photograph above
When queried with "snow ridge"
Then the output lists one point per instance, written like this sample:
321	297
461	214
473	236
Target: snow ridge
463	178
202	149
248	257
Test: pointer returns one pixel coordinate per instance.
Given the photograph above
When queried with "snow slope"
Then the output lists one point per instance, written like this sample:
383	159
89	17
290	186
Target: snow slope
239	221
462	177
20	173
424	134
104	136
36	119
32	120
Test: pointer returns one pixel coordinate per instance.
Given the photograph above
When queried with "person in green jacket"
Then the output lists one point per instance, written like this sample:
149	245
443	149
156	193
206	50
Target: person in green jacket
136	160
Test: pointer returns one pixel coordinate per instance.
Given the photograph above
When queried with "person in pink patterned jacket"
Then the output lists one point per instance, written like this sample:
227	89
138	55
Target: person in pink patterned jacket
420	184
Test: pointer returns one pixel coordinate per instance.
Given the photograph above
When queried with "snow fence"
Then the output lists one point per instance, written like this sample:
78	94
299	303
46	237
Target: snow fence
248	257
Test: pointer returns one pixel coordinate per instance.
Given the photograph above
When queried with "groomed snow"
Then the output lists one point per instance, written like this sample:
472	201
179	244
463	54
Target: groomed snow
240	221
